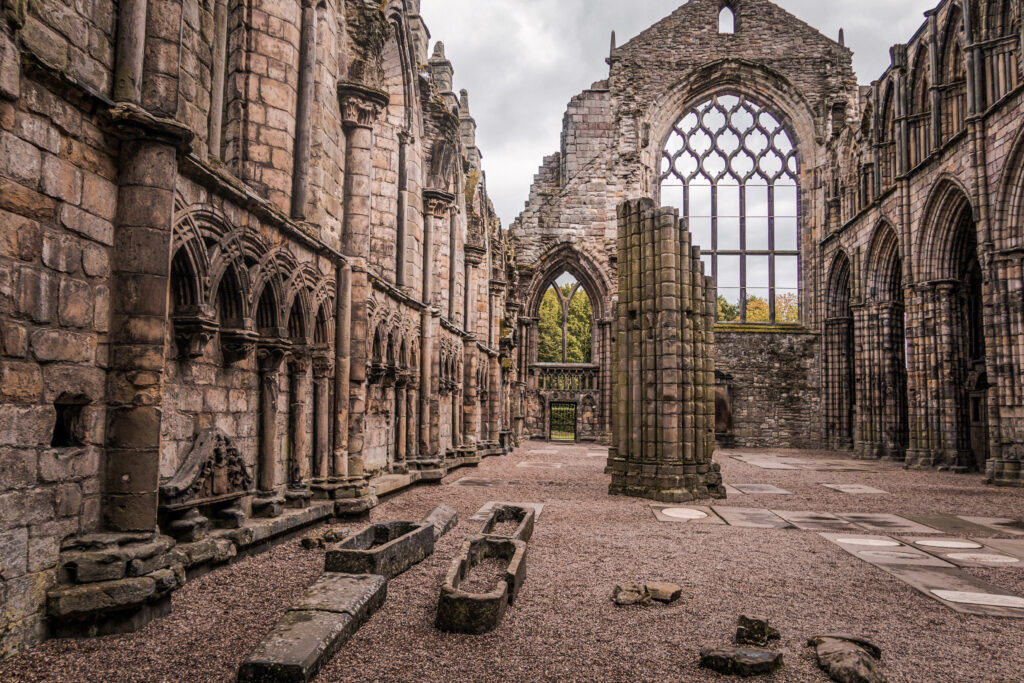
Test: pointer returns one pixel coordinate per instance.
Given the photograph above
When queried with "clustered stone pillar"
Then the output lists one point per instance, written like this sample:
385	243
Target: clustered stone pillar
664	377
323	367
298	493
1006	466
435	203
304	111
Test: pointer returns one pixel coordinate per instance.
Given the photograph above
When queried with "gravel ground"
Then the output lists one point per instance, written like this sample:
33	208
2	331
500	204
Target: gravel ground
563	626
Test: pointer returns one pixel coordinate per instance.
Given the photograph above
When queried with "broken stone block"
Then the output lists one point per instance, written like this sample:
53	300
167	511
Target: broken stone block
848	659
465	607
386	549
444	520
315	627
625	594
78	601
509	521
664	592
740	661
330	536
751	631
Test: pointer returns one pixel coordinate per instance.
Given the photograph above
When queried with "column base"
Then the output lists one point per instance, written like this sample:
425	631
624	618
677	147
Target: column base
298	496
1001	472
268	504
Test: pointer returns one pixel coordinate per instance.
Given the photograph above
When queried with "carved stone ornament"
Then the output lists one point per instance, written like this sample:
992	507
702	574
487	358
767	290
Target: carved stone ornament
194	328
213	472
237	344
436	202
360	105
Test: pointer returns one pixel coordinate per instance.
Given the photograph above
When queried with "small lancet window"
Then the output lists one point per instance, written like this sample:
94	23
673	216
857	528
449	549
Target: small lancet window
727	20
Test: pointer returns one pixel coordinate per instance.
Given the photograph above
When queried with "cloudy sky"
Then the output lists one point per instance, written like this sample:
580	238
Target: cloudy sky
522	60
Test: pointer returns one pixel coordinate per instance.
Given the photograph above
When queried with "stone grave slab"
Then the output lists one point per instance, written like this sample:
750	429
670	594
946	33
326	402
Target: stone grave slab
477	481
815	521
315	627
854	489
686	514
484	513
752	518
886	523
762	489
961	592
596	454
765	463
541	465
732	490
951	525
936	579
964	553
543	451
1001	525
1012	547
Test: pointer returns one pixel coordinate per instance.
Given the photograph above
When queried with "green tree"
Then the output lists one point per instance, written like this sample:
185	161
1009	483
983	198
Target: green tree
549	329
580	328
727	312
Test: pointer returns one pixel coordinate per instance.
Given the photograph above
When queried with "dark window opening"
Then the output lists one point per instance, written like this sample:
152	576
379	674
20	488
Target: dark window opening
69	428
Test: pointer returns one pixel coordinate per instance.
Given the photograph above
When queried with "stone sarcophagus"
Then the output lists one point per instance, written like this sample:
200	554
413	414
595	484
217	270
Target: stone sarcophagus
210	482
387	549
482	581
509	521
663	428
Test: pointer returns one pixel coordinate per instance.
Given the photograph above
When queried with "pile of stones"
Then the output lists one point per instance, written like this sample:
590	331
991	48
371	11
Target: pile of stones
627	594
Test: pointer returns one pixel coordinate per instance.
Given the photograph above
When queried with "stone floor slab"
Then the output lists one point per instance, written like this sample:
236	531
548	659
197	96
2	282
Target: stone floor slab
541	465
886	523
686	514
951	525
815	521
1013	547
1001	525
762	489
884	551
733	491
964	552
752	518
854	489
477	482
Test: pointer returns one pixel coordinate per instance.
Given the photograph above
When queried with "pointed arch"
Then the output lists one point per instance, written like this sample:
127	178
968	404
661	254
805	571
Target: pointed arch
884	265
839	287
946	232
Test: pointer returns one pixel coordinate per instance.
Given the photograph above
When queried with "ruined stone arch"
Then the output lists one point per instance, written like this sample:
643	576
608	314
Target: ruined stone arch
839	367
1008	211
940	233
736	77
568	258
884	274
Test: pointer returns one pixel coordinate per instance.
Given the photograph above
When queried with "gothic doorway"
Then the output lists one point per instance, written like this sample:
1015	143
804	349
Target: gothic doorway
562	422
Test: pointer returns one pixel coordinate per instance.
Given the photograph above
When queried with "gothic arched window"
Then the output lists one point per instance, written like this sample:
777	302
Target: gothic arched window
565	328
731	168
727	20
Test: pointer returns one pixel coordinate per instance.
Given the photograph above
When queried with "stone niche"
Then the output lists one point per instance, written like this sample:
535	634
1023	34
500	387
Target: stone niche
663	363
210	484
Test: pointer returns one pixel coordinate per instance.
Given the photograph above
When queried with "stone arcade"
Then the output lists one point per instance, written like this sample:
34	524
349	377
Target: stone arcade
251	278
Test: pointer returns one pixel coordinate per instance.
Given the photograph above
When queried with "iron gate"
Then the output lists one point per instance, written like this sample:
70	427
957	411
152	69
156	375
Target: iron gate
563	422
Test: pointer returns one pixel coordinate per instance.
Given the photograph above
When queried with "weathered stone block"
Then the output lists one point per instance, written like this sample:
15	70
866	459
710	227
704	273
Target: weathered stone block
21	382
737	661
60	345
75	307
79	601
444	520
17	468
386	549
309	634
13	553
10	69
25	425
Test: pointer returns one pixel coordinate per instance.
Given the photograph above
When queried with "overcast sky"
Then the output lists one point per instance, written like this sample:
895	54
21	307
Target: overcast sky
522	60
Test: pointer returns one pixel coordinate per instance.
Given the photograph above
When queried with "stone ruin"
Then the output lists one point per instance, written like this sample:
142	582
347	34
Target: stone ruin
663	427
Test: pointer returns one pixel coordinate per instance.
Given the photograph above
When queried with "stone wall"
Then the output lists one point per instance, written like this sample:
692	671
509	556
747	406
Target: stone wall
214	322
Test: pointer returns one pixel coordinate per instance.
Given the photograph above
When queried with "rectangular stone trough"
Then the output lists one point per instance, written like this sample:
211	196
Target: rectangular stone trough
462	611
387	549
314	629
504	514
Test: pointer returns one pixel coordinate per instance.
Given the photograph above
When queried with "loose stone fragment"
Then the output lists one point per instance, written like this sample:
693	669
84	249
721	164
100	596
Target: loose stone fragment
848	659
664	592
740	661
751	631
626	594
444	520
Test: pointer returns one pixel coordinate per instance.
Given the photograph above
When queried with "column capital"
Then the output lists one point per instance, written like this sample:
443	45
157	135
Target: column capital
435	202
360	105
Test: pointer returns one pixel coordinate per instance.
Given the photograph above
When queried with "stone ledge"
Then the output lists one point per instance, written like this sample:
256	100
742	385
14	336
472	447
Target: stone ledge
315	627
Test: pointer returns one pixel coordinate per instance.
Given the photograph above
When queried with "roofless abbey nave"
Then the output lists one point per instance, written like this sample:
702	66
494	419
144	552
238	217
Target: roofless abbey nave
252	283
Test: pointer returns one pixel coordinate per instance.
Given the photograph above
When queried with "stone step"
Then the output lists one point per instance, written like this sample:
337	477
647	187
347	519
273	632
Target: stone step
389	483
314	629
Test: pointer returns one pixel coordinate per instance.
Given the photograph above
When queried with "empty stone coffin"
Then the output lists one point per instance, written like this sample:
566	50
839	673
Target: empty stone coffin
466	606
387	549
509	521
315	628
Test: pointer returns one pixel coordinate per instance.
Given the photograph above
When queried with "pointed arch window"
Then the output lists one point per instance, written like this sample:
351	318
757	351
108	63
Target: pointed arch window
727	20
731	168
565	330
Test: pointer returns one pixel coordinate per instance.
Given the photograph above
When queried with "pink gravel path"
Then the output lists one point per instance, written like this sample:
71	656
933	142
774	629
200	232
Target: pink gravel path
563	626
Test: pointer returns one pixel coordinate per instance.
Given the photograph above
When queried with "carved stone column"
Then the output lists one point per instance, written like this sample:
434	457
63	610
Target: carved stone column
401	431
304	110
299	464
323	367
435	203
360	107
268	502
